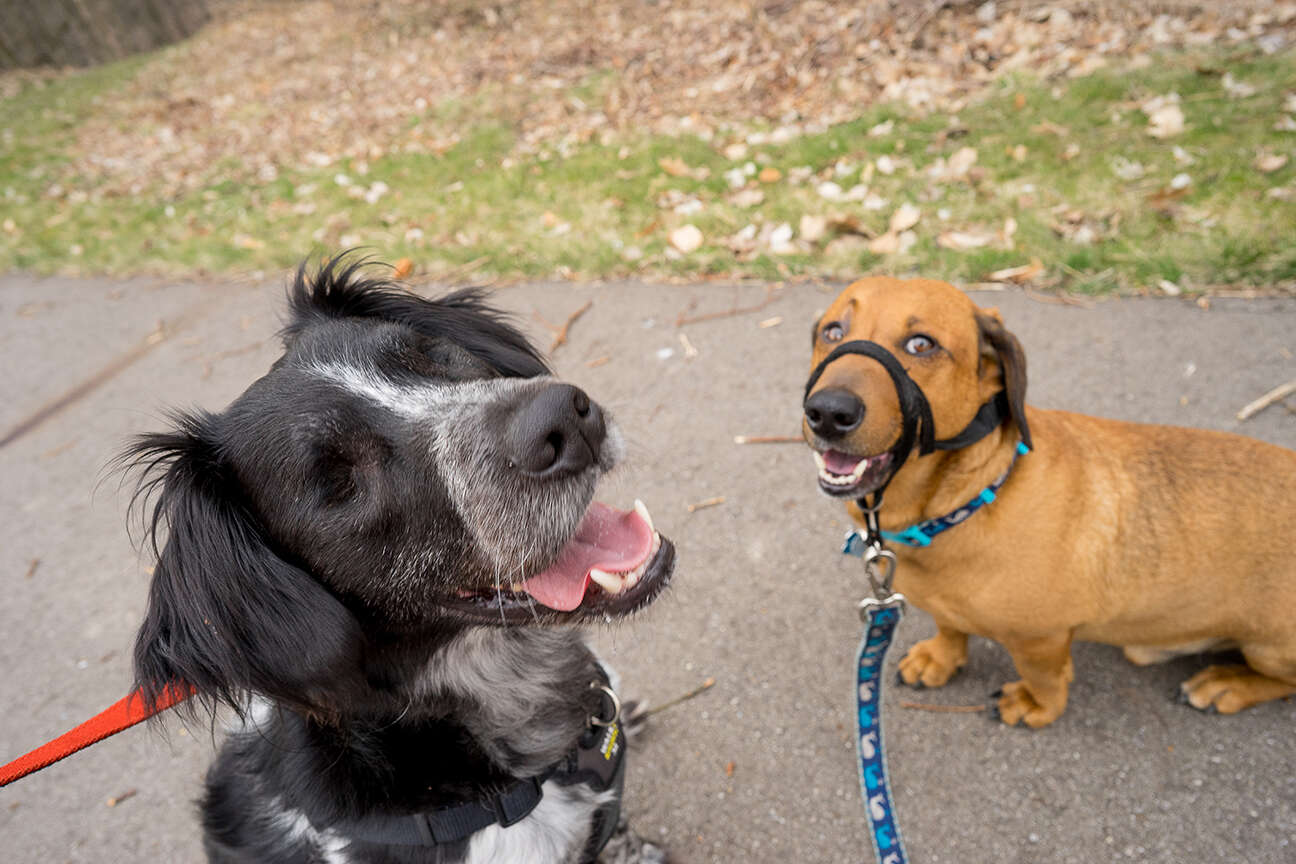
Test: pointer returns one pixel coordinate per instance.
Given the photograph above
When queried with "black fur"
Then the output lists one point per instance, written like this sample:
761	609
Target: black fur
321	536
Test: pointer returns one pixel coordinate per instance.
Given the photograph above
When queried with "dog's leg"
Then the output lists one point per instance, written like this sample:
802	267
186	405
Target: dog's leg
627	847
1040	696
1228	689
933	662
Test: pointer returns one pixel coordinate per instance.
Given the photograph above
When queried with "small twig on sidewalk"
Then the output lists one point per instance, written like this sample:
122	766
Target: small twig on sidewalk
560	333
702	505
768	439
657	709
683	319
1282	391
943	709
571	319
114	801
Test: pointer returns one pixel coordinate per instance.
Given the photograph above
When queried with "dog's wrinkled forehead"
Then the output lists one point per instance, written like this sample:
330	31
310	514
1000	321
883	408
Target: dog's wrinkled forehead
889	310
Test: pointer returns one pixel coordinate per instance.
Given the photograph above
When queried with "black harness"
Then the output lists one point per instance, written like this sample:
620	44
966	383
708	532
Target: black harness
597	760
915	410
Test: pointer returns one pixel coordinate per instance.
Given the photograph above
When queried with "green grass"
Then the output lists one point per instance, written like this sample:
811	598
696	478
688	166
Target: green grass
485	207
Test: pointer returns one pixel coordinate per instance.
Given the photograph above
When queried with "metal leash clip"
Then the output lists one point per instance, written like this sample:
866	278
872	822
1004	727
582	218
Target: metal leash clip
879	565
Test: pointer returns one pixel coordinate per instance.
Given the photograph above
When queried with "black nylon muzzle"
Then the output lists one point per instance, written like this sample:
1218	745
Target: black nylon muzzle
915	410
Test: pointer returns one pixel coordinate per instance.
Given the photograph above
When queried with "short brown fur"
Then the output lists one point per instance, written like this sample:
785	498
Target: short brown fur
1159	539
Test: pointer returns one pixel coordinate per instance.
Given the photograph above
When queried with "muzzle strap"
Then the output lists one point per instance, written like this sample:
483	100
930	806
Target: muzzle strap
914	407
913	404
989	418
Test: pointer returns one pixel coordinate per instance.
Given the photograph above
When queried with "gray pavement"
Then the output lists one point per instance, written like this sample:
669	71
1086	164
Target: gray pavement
760	768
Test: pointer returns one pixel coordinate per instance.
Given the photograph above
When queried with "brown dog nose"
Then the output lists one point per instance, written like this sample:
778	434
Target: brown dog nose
557	432
833	411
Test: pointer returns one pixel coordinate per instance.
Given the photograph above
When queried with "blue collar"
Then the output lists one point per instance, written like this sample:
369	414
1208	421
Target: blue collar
922	533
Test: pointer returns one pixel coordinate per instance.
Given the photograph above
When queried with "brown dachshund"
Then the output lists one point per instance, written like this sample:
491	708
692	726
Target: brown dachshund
1162	540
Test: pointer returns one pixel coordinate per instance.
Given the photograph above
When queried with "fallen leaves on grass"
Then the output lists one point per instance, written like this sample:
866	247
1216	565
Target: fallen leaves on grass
363	80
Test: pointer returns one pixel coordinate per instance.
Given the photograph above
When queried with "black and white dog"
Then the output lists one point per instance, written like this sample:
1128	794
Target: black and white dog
369	556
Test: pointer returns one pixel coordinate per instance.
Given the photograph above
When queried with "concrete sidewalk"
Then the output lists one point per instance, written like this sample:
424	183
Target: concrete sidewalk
761	767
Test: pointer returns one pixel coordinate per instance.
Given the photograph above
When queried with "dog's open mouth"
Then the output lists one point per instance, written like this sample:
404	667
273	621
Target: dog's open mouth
843	475
615	563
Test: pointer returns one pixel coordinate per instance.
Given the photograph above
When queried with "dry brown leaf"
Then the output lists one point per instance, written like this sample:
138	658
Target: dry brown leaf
403	268
769	174
885	244
1165	117
961	241
812	228
686	238
674	166
905	217
1024	273
1270	162
1048	127
747	197
848	223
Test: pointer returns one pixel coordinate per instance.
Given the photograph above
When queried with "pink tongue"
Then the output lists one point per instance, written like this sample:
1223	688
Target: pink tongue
609	539
839	463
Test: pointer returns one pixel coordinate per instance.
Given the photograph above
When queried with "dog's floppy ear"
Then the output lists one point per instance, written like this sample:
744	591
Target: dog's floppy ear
1001	347
226	614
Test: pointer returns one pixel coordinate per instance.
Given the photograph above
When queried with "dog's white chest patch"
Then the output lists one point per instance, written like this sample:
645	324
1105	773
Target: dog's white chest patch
554	832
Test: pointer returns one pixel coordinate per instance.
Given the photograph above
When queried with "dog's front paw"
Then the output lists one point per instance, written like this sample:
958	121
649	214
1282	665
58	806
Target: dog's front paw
627	847
1017	704
931	663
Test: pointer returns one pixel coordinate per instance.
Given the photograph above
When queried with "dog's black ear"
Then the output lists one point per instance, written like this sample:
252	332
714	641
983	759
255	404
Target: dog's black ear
999	345
226	614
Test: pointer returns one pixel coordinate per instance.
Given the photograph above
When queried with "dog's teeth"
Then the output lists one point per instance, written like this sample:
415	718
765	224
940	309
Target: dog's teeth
643	513
819	460
860	469
609	582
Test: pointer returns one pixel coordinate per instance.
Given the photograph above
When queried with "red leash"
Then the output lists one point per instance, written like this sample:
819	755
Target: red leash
122	715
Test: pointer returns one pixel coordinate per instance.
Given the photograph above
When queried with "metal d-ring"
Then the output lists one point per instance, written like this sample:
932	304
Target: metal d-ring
594	719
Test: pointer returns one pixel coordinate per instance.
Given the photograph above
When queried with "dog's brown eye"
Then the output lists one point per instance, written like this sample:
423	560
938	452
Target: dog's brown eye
833	332
919	344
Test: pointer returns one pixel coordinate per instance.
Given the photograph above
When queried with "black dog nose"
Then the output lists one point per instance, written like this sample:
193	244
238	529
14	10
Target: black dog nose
557	432
833	411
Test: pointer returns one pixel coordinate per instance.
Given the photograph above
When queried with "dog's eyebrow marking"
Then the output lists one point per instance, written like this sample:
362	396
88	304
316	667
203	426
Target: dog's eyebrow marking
414	401
409	402
912	321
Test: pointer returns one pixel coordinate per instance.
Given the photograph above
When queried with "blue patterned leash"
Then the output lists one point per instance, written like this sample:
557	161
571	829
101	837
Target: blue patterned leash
881	613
